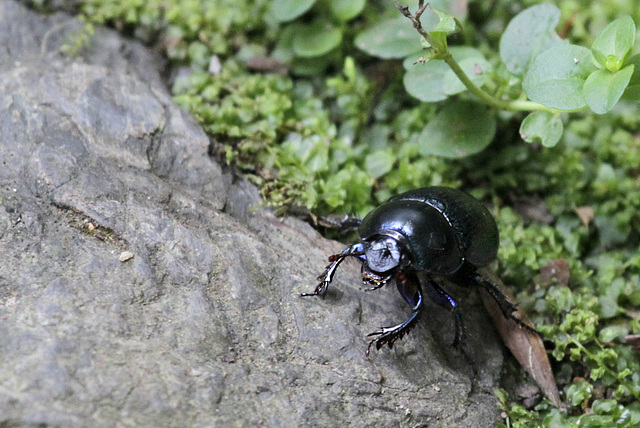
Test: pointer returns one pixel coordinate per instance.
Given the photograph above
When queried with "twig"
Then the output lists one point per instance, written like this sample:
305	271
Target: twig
414	19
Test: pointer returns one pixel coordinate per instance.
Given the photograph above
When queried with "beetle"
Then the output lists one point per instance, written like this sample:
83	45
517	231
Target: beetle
416	239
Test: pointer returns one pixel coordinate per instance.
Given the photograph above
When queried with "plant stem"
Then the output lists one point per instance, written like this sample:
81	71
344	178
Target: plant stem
484	96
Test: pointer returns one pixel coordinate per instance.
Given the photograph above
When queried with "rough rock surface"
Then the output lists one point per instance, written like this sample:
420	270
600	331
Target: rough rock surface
203	326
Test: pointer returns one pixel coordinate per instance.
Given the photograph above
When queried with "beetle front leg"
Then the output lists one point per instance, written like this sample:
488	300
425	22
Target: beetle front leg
327	276
408	285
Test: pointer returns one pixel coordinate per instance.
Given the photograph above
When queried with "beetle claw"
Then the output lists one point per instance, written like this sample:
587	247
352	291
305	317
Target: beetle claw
386	337
321	289
389	335
327	276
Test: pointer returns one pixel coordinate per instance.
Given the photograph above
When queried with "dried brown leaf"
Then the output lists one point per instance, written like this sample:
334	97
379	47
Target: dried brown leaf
533	208
586	214
634	341
525	345
557	269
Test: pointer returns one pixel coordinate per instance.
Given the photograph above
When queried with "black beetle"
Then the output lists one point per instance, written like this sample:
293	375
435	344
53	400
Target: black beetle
416	238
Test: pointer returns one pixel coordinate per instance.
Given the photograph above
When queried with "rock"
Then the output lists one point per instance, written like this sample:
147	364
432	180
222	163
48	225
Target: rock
125	256
204	326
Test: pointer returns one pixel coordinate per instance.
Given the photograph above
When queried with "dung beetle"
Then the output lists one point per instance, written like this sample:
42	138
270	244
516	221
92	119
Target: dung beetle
417	238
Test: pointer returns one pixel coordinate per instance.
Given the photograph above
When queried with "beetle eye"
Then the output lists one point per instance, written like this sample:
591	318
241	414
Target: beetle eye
383	255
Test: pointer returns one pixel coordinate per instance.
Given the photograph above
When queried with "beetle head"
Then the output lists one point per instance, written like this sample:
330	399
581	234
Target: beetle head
383	257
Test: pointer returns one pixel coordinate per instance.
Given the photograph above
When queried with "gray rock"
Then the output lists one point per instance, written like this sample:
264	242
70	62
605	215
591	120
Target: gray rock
203	326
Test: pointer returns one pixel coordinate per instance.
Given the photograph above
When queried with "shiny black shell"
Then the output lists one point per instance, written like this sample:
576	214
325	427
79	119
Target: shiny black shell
442	227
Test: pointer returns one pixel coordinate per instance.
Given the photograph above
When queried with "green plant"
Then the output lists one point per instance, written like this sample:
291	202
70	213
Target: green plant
190	30
556	76
310	45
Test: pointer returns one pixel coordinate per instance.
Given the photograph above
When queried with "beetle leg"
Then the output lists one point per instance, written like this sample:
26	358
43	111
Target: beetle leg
506	307
329	272
389	335
408	286
442	298
468	274
374	280
344	225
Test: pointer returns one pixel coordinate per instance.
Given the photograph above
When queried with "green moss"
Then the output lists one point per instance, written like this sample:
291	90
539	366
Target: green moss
191	29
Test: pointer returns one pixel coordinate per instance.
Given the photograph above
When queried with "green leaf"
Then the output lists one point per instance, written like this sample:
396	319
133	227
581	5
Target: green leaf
287	10
528	34
614	43
542	127
315	39
602	407
426	81
379	163
346	10
612	332
460	129
394	38
579	391
556	77
603	89
447	23
440	44
633	88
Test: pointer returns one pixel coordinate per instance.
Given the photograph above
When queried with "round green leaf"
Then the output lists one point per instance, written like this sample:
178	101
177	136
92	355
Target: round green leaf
346	10
529	33
458	130
315	39
616	40
287	10
379	163
541	127
393	38
603	89
424	81
556	77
